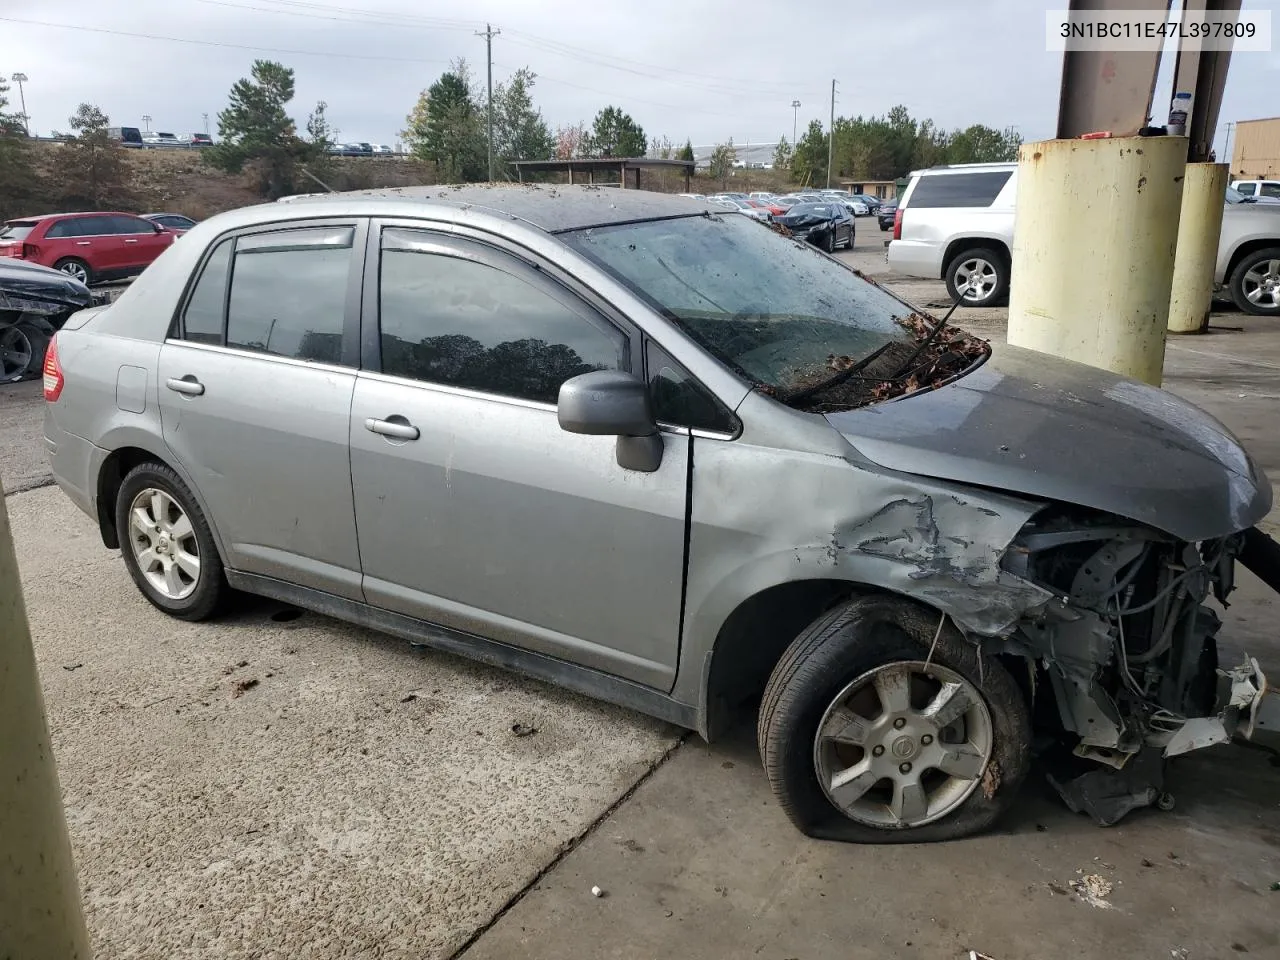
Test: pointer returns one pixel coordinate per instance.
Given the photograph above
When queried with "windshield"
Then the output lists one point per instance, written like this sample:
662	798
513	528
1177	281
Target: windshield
783	316
809	210
16	230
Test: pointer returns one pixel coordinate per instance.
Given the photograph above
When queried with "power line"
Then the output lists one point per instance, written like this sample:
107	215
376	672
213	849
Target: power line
220	43
545	44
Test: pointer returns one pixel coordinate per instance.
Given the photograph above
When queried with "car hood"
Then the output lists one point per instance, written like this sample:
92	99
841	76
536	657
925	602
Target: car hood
1034	425
32	288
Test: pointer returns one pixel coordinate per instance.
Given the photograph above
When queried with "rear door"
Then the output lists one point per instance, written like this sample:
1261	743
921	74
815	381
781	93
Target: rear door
91	239
255	398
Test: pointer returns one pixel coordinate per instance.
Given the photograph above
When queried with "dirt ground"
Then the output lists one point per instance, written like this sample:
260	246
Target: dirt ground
279	786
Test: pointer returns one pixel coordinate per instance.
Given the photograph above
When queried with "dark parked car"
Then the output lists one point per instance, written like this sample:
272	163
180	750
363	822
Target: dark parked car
172	221
128	136
87	246
200	140
34	303
828	225
886	213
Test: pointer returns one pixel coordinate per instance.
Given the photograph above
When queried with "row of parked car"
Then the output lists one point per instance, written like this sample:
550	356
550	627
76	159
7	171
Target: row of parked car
824	218
137	139
46	266
955	223
361	149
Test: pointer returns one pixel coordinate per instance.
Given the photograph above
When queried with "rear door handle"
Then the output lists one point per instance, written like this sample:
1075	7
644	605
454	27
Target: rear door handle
188	385
130	241
400	429
82	243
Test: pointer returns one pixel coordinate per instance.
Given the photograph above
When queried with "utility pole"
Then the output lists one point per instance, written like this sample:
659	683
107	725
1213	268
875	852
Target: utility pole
1226	147
20	79
146	122
831	133
205	116
488	34
795	119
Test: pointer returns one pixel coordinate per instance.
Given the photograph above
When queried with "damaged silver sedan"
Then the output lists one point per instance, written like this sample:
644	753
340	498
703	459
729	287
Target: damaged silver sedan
673	459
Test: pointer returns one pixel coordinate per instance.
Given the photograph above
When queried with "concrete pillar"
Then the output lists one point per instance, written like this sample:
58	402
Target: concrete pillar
1093	249
1203	193
39	897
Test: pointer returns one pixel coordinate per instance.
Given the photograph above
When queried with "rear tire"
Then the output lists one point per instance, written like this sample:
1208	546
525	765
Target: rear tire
1255	283
167	545
77	268
978	277
966	771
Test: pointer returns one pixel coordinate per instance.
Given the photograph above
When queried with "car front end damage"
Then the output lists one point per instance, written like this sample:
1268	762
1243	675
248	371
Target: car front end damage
1127	653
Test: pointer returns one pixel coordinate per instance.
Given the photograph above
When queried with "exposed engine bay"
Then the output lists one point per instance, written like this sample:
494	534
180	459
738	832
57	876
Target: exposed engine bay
1128	650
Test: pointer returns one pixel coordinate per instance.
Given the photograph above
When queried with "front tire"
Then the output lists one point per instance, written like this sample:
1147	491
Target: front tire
978	277
865	738
167	545
829	241
1255	283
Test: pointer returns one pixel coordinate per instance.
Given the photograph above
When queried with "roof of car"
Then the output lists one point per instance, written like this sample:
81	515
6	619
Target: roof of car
966	168
81	213
551	208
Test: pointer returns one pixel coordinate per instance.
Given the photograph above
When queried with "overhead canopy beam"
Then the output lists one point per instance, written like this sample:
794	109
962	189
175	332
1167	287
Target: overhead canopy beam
1203	73
1109	90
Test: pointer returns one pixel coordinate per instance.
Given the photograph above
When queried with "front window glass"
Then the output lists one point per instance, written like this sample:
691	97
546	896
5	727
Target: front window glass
778	313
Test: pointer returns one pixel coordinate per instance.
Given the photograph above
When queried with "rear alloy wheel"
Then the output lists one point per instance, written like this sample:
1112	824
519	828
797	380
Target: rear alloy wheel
21	351
75	268
1255	283
167	545
978	277
872	733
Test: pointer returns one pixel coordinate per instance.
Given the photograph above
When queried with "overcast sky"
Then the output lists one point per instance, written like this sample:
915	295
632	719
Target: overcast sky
702	69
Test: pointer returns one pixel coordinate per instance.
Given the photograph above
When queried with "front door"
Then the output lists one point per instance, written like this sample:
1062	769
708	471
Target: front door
140	241
255	400
474	509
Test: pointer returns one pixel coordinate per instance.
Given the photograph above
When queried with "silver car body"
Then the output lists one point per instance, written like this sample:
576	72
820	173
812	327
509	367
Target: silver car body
498	535
932	237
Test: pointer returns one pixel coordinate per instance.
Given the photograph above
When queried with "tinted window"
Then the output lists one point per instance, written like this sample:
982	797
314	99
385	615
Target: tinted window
90	227
960	189
131	225
1247	188
178	223
288	293
1270	190
468	324
681	400
202	320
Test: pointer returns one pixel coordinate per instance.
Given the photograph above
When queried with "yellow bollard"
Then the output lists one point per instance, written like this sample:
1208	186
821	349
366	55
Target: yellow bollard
1203	196
40	916
1093	248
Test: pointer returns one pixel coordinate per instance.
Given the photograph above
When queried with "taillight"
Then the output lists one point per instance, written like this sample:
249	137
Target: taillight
897	224
53	379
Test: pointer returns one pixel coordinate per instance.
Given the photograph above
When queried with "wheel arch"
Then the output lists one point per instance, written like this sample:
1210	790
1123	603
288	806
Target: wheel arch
970	241
1245	249
124	456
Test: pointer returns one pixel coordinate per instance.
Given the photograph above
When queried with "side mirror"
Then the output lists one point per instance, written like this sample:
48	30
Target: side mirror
613	404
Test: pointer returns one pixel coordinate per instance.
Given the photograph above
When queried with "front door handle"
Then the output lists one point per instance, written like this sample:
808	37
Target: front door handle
127	240
82	243
187	385
398	428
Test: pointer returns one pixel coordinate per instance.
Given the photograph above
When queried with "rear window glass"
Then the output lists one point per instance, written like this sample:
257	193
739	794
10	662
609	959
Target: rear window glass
16	231
959	189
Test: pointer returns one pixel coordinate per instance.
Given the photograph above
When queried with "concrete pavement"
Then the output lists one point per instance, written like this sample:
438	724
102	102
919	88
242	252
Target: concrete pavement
295	788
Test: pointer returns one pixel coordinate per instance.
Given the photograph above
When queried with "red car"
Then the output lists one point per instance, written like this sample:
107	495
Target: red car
87	246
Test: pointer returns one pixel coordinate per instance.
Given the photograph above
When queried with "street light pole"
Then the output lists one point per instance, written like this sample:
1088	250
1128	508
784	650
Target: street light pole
795	119
20	79
205	116
146	122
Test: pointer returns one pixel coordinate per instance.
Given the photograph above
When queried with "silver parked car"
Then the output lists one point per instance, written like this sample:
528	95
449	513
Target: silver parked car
630	444
956	224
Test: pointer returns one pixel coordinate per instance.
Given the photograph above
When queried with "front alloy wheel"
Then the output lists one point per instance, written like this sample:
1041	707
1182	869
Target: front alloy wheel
903	745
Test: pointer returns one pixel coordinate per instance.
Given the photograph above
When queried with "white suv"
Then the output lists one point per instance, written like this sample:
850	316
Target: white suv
1257	188
956	224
